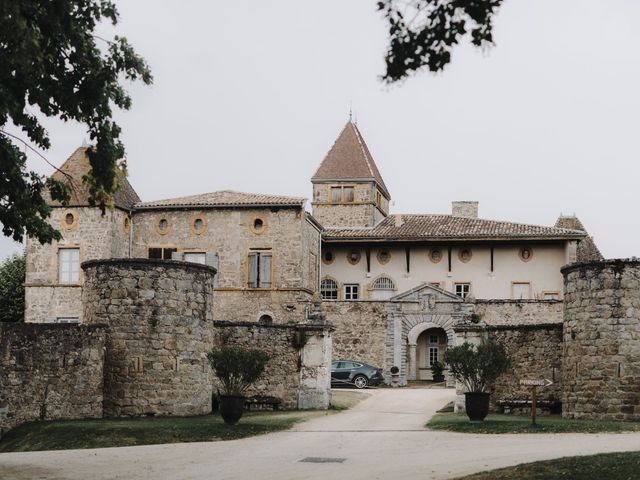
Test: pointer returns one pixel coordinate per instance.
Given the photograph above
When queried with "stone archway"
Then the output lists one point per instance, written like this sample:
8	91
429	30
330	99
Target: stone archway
426	322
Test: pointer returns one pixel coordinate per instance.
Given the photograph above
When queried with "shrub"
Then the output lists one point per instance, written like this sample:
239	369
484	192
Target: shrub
12	272
437	368
237	367
477	367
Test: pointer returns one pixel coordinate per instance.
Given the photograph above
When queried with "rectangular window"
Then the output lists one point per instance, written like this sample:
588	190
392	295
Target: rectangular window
433	338
336	194
328	289
259	270
521	291
463	289
195	257
351	291
347	194
160	253
433	355
69	265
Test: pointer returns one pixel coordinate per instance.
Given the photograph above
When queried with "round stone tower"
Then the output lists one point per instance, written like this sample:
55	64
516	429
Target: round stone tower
601	364
160	327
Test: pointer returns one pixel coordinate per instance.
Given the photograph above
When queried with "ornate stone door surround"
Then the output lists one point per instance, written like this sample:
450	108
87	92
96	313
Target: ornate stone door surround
413	312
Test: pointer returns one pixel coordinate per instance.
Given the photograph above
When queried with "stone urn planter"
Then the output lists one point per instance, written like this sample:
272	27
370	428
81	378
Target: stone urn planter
231	408
437	370
395	377
476	405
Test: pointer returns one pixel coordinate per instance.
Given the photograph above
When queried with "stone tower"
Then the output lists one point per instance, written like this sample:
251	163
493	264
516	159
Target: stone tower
348	190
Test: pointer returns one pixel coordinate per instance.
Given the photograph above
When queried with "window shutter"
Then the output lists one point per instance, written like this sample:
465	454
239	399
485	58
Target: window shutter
253	270
265	270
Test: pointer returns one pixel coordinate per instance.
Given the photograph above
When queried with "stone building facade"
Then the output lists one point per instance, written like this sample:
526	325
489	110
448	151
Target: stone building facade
398	289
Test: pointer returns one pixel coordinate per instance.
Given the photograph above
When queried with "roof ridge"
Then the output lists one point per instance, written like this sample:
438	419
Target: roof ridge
487	220
364	154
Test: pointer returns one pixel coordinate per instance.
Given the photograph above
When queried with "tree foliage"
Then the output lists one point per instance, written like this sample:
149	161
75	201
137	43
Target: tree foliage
424	32
477	367
237	367
12	272
53	64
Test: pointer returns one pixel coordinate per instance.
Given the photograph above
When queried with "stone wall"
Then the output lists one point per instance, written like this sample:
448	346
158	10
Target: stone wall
536	353
50	372
298	372
519	312
283	306
360	213
360	331
601	364
95	235
160	322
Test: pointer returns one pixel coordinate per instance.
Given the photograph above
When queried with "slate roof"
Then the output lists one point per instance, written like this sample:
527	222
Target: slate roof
224	198
587	250
350	159
449	227
76	167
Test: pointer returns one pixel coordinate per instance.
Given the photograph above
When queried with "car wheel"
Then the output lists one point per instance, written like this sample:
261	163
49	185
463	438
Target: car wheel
360	381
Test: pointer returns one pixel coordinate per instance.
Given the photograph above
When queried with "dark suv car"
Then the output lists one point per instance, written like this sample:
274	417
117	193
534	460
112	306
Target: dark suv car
359	374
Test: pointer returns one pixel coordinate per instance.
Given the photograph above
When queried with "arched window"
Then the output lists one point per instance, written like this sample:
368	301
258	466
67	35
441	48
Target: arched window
383	288
328	289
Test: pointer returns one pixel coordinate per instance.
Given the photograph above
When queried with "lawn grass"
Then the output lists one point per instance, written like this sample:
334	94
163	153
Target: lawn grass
606	466
499	423
71	434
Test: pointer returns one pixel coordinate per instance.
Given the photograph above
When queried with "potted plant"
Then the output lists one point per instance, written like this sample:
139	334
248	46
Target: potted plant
395	376
437	370
477	367
236	368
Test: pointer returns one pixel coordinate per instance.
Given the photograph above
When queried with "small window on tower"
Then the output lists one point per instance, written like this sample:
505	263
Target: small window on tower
348	194
336	194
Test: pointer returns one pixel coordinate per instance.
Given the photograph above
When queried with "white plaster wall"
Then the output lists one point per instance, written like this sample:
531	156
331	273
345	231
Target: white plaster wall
542	271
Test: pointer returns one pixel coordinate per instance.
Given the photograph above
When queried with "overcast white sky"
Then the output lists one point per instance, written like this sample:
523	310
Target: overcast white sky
250	96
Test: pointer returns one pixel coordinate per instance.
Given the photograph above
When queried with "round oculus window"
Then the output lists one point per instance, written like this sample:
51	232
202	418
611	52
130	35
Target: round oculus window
69	219
435	255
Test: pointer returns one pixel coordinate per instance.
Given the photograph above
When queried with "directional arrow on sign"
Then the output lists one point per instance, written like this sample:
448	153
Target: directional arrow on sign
539	382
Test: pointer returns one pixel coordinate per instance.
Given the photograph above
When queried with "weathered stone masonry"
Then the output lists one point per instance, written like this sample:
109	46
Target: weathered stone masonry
160	322
601	363
49	372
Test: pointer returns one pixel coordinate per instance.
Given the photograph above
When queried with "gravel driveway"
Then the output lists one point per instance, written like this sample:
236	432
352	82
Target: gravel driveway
382	437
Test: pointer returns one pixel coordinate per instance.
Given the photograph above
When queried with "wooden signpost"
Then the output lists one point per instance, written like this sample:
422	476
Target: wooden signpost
534	384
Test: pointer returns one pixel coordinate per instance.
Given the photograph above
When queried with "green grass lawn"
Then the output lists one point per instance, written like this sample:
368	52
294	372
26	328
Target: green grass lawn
499	423
606	466
70	434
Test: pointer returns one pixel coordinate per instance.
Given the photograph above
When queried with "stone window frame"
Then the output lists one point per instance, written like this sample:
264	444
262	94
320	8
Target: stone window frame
194	251
80	260
273	268
521	253
350	255
192	224
162	247
517	282
342	201
169	229
455	288
258	230
430	255
63	220
379	255
384	276
461	258
337	284
333	257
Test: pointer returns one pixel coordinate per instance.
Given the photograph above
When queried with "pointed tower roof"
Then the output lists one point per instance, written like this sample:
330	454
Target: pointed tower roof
350	159
76	167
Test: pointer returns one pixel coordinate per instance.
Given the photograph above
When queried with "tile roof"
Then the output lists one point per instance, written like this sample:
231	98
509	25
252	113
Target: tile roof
350	159
224	198
76	167
449	227
587	250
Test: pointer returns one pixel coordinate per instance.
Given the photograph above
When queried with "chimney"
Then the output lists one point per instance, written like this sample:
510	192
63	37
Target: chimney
464	209
399	221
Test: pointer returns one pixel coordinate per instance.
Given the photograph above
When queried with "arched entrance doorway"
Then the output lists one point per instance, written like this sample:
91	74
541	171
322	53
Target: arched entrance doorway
430	347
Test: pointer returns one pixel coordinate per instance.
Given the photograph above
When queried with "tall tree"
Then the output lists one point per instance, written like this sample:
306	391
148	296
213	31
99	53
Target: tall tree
12	272
53	64
424	32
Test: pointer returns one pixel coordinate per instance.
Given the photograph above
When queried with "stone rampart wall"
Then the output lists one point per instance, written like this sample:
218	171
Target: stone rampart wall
360	331
519	312
298	371
160	322
601	363
536	353
50	372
